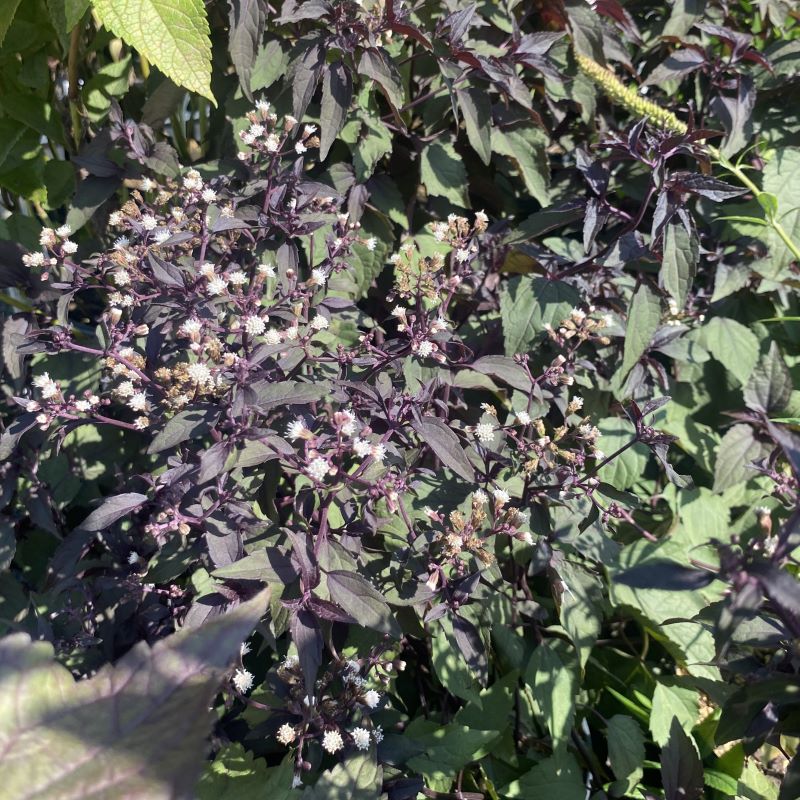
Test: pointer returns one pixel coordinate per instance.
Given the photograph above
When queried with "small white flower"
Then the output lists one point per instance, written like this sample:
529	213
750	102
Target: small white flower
193	180
318	468
332	741
439	324
286	734
371	243
217	286
484	432
133	557
425	348
296	430
237	277
161	235
272	336
149	222
126	389
83	405
209	195
501	497
243	680
319	323
527	537
523	417
273	143
348	427
577	315
290	662
191	328
199	373
300	148
266	269
343	217
254	326
257	129
122	277
247	137
244	649
262	106
64	231
440	231
462	255
319	277
147	184
378	452
372	698
377	734
480	497
121	242
206	269
69	247
138	402
362	448
291	333
361	738
309	130
399	312
47	386
481	220
33	259
115	219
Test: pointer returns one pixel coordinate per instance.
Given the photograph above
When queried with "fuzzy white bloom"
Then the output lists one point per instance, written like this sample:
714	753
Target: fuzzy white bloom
273	143
69	247
378	452
286	734
33	259
243	680
147	184
399	312
362	448
209	195
480	497
138	402
161	235
372	698
238	278
319	323
115	219
309	130
126	389
577	315
576	402
217	286
332	741
523	417
262	106
361	738
206	269
348	428
133	557
272	336
439	324
377	734
64	231
425	348
254	326
244	649
257	129
149	222
247	137
481	219
318	468
122	277
484	432
121	242
289	122
300	148
440	231
193	181
371	243
266	269
462	255
296	429
191	328
199	373
291	333
343	217
83	405
47	386
501	497
319	277
290	662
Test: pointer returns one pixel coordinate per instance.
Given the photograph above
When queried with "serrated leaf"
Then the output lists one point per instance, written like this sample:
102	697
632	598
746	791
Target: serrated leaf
644	317
672	702
679	264
271	62
527	147
681	768
770	386
732	344
236	775
337	92
358	777
625	747
558	777
476	109
136	729
445	444
554	686
444	174
737	449
362	601
527	304
172	34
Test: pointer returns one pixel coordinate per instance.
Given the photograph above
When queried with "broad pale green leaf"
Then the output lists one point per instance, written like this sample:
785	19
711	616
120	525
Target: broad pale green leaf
172	34
527	304
782	179
732	344
358	777
136	729
672	702
770	386
527	148
557	777
372	146
271	62
739	447
625	747
7	10
444	174
644	317
337	92
448	748
679	264
107	84
450	667
554	686
580	613
476	109
236	775
627	468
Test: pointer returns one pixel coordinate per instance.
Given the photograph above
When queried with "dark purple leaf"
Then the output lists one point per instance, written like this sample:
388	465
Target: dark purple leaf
247	18
359	598
307	638
681	768
445	444
337	93
112	509
472	647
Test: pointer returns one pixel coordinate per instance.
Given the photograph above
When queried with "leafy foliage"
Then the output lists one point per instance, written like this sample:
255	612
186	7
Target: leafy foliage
451	347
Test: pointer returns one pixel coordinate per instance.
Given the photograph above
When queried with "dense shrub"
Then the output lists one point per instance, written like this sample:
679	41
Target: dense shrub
412	386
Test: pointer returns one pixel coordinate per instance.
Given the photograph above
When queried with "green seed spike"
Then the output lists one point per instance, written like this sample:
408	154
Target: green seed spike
628	97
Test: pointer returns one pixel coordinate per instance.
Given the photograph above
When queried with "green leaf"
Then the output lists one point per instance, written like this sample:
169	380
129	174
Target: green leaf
527	147
269	394
554	686
7	10
136	729
377	64
172	34
107	84
527	304
627	468
358	777
782	179
337	92
732	344
625	748
271	62
679	263
672	702
770	386
444	174
557	777
449	748
738	448
644	317
236	775
35	112
476	108
74	11
372	146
